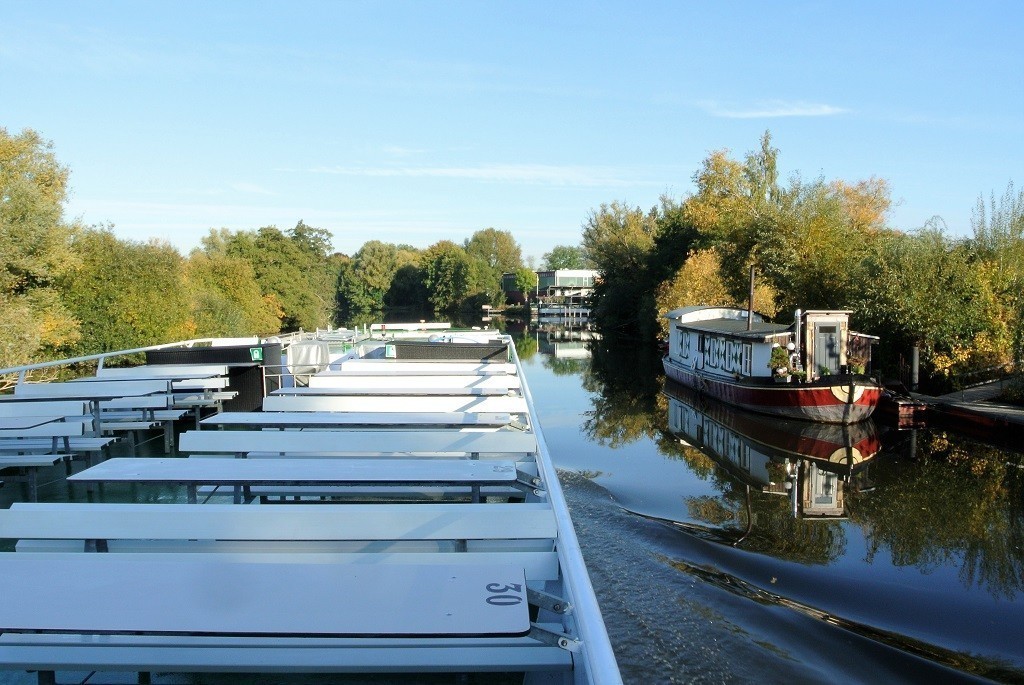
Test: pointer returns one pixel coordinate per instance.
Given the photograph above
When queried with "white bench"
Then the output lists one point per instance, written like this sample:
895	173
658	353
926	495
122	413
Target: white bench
26	468
350	419
169	371
206	613
369	389
361	442
336	380
91	389
390	367
10	407
242	474
211	595
363	403
277	522
45	440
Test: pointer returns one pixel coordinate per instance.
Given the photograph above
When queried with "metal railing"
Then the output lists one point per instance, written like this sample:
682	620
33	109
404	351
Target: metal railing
99	358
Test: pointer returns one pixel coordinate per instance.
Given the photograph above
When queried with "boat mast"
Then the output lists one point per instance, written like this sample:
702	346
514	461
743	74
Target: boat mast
750	302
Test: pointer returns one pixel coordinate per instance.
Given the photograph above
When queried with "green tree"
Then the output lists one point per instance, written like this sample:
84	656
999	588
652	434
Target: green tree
999	243
294	267
34	251
446	275
126	294
619	240
525	280
407	289
496	253
925	290
226	299
567	257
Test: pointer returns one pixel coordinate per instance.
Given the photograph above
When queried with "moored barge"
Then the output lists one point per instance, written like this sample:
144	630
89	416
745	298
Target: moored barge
812	369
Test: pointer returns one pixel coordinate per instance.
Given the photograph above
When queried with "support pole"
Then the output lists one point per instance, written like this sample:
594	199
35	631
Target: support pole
750	302
915	367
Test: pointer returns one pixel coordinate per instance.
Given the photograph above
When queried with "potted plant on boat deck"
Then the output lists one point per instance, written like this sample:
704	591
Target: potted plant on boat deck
779	364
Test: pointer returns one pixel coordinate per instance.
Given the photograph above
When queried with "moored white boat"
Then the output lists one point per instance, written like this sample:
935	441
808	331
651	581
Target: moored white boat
812	369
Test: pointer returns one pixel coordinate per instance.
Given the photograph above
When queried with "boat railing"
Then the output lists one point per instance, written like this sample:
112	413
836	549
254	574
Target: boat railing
21	372
600	658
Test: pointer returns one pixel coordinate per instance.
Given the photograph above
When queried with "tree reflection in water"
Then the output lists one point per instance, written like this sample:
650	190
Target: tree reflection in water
953	502
931	499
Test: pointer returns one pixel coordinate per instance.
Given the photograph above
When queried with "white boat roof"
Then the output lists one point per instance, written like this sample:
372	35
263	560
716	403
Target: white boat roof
729	321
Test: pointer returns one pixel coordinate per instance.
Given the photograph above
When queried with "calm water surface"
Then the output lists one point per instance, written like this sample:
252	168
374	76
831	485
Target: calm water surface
727	548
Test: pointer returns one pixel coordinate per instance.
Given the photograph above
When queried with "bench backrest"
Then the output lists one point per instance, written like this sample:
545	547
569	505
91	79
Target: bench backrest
362	403
297	470
329	380
171	371
142	402
342	419
43	408
388	367
369	522
351	441
93	389
48	430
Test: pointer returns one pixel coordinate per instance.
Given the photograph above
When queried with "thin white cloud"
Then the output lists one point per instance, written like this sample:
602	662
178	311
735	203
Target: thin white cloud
398	151
772	109
250	188
539	174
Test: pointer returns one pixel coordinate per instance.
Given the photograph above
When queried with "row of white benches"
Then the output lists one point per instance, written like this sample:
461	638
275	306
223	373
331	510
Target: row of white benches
82	418
399	586
320	587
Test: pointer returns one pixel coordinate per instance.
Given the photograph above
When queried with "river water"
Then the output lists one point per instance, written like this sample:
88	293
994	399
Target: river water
728	548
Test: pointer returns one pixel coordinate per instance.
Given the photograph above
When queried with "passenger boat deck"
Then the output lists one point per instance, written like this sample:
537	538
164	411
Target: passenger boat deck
396	512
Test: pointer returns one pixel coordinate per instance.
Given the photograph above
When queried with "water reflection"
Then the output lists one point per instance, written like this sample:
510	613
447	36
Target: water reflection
912	539
811	464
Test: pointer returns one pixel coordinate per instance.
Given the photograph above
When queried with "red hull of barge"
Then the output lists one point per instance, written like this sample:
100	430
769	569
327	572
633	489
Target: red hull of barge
849	401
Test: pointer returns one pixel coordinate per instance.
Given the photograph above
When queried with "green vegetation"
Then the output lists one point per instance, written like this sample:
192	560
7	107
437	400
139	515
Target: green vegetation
815	245
69	289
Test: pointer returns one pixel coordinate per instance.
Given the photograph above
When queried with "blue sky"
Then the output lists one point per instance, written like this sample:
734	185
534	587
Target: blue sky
411	122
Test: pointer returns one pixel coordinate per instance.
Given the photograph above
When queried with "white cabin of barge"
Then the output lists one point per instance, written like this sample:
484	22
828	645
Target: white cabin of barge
723	341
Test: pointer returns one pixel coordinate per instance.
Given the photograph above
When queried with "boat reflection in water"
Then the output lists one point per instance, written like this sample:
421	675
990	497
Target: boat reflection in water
811	463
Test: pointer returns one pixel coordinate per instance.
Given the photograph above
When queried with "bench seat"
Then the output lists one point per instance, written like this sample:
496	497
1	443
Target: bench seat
336	380
360	442
369	522
213	595
389	367
242	474
91	389
72	445
391	404
396	391
325	419
11	407
167	371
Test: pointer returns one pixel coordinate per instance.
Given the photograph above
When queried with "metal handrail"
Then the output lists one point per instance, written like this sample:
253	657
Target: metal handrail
100	357
602	667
